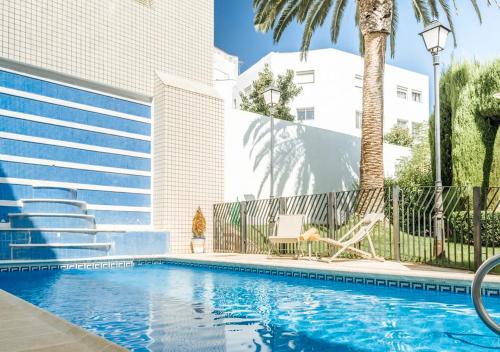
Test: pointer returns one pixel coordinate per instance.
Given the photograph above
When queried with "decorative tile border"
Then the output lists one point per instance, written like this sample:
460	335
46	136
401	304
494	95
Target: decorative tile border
112	264
445	286
433	285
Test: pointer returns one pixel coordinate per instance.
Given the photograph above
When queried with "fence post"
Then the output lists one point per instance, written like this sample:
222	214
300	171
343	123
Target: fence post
282	205
331	212
243	226
215	242
395	222
476	221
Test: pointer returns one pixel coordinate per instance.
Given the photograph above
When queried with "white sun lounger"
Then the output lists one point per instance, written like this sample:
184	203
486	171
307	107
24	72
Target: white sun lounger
288	231
355	235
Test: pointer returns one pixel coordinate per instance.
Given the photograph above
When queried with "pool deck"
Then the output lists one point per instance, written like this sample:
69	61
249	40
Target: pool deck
351	266
24	327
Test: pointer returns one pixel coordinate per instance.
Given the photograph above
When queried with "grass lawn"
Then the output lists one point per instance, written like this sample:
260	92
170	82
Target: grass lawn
419	249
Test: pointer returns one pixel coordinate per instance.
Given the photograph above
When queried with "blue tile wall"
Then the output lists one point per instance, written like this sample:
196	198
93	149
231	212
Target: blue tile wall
53	173
8	237
42	151
114	198
63	221
121	217
13	192
54	207
53	90
137	243
42	130
124	243
63	113
4	211
54	193
62	237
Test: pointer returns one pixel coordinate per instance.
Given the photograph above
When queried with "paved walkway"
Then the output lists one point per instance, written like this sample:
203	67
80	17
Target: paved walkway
24	327
362	266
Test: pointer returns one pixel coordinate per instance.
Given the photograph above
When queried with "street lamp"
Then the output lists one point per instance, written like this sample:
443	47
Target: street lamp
434	36
272	98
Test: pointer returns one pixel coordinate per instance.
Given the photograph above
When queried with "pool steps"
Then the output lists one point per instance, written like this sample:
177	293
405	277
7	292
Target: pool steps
54	218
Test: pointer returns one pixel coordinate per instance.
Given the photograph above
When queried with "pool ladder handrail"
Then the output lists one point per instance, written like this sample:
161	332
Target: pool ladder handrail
484	269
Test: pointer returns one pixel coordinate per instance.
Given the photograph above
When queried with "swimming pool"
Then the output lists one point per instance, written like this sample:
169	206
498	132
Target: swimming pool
178	308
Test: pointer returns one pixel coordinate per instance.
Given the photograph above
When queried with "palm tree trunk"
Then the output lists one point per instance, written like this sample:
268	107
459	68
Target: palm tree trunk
372	161
375	18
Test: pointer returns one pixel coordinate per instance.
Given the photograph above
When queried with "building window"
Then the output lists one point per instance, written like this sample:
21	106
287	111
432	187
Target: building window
358	119
304	77
402	123
358	81
416	96
305	114
402	92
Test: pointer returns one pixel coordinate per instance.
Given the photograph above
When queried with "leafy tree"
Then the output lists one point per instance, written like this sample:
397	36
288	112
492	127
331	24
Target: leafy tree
254	101
377	20
399	136
416	170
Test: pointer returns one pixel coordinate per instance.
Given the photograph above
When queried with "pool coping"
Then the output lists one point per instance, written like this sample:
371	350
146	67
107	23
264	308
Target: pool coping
26	327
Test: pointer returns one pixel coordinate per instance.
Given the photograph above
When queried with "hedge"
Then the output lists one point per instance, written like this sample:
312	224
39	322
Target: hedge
470	117
460	228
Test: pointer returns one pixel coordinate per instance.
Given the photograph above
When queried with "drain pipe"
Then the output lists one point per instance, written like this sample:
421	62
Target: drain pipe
484	269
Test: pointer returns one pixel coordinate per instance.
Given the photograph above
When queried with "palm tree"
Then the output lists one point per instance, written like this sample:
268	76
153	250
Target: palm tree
376	19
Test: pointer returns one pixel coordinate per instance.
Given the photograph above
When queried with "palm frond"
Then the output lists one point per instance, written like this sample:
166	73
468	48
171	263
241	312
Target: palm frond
433	8
476	8
446	9
267	12
315	18
360	35
394	27
421	10
338	12
286	17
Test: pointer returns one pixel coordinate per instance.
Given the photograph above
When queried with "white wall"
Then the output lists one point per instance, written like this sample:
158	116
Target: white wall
307	159
115	42
225	74
334	93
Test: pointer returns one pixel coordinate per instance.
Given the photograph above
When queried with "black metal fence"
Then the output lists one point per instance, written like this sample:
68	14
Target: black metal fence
470	223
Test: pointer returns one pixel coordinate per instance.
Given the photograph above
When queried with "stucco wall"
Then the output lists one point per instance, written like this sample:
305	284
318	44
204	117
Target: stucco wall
307	159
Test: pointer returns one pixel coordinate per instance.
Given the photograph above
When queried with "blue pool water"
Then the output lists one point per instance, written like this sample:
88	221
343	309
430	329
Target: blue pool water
177	308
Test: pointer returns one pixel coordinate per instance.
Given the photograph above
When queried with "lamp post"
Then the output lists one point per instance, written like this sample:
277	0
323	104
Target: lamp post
434	36
272	98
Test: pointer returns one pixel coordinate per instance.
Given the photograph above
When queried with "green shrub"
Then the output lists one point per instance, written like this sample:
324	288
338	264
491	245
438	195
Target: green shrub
460	227
470	146
416	170
399	136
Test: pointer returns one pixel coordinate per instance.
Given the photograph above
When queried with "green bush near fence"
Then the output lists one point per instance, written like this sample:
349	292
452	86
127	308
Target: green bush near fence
470	116
460	227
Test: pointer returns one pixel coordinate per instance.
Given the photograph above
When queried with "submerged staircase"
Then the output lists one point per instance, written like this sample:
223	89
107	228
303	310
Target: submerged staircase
54	224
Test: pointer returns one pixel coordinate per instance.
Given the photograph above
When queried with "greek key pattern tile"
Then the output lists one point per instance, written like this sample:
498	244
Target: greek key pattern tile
294	273
374	281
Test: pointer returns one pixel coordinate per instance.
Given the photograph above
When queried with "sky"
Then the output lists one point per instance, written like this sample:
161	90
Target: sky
235	34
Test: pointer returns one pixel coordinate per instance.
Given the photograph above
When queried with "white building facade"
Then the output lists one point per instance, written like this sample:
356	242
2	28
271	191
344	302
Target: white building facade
331	96
111	88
